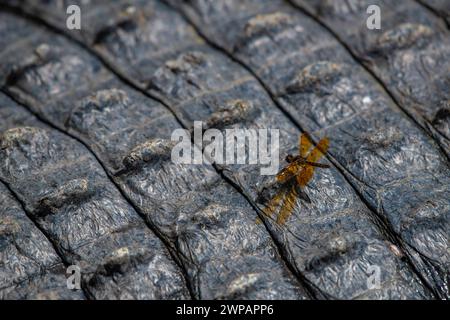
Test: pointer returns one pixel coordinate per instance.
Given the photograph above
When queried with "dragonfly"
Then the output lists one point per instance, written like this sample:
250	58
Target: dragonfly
295	175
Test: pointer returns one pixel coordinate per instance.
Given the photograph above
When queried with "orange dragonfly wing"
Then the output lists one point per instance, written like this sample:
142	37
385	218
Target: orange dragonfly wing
305	175
288	206
287	172
319	150
305	143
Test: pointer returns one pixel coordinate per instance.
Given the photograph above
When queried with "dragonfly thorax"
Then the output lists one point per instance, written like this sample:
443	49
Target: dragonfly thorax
299	159
290	159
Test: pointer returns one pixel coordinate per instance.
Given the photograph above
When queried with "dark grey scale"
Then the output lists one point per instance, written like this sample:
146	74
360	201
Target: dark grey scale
67	194
209	226
409	54
13	116
30	267
199	83
326	92
439	7
203	218
274	24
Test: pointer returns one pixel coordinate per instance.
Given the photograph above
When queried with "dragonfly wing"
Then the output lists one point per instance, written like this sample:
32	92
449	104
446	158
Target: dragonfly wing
305	144
288	172
305	175
319	150
288	206
274	203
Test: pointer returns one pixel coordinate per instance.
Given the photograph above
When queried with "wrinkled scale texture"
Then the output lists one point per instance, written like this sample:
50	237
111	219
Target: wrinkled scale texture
85	169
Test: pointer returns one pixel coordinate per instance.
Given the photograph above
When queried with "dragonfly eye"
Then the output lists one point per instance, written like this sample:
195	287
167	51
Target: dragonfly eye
289	158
